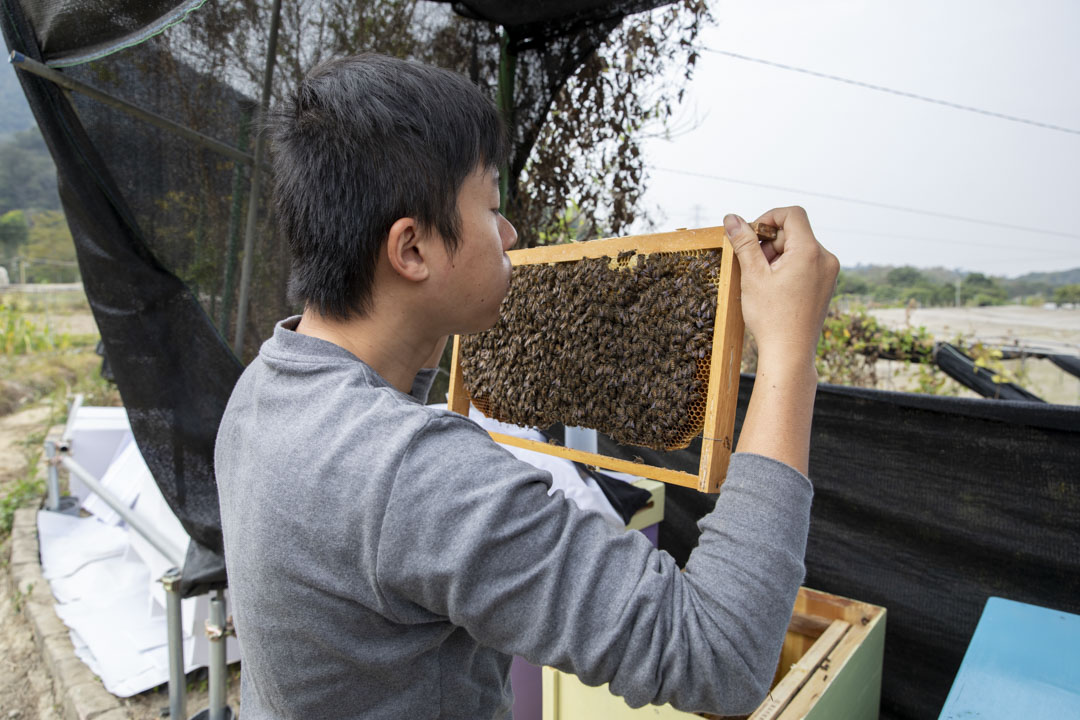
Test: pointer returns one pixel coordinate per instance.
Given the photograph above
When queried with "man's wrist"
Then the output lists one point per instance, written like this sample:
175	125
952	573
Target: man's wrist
788	369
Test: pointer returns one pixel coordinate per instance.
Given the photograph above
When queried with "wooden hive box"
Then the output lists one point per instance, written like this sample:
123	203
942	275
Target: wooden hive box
717	369
829	669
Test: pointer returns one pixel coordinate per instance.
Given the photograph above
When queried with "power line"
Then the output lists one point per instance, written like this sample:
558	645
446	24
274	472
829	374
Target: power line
872	203
920	238
892	91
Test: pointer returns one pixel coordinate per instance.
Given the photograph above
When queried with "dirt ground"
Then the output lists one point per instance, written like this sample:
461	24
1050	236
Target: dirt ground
25	686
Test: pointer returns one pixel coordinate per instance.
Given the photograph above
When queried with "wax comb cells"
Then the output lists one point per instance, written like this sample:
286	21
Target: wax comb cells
620	344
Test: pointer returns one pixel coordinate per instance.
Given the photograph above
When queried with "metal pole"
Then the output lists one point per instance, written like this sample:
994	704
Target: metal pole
256	184
177	681
137	523
53	484
232	249
216	634
34	67
69	427
505	103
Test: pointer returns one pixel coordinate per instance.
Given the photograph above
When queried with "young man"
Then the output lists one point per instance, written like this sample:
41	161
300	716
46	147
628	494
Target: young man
386	559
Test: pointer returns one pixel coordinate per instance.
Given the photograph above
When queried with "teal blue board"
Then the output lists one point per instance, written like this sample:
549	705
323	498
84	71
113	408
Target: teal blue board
1023	662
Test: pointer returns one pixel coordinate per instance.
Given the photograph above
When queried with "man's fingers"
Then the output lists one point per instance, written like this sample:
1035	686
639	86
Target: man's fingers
790	221
772	249
745	241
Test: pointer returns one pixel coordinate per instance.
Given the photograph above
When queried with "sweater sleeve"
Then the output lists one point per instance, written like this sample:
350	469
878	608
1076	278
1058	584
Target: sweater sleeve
471	535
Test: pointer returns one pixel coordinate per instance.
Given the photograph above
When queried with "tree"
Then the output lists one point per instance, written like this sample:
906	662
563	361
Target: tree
906	276
588	152
575	147
14	232
979	289
1067	294
850	284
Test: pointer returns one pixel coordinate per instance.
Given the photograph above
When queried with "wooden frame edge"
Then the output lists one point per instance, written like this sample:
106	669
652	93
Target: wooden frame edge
717	433
457	398
677	241
672	477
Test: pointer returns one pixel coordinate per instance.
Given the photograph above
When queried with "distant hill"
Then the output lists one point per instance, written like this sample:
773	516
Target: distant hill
878	273
927	287
1053	279
15	114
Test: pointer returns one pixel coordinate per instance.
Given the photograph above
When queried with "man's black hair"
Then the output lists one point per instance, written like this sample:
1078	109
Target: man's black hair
364	141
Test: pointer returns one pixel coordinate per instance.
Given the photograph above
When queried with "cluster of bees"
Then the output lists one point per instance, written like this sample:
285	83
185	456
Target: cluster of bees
622	345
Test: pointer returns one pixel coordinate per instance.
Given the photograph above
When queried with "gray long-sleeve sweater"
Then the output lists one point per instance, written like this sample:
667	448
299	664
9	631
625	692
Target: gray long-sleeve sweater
386	559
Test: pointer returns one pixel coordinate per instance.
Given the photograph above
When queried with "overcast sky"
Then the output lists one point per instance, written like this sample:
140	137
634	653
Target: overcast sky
765	125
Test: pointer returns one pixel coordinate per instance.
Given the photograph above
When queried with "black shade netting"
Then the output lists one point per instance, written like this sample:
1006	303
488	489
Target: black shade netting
927	506
75	31
1068	363
172	368
963	369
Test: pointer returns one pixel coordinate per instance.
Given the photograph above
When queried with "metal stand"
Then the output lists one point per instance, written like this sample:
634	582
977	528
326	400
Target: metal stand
218	629
52	485
54	501
177	681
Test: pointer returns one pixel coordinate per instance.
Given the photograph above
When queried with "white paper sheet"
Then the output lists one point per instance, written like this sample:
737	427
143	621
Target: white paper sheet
106	577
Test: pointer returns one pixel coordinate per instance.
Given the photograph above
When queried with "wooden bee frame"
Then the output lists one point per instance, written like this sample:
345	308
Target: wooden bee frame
723	387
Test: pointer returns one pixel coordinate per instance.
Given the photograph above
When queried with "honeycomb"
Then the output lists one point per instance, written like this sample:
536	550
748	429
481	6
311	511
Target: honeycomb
622	345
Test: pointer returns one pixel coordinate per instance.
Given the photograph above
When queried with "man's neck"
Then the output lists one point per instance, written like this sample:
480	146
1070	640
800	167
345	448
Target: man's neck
391	348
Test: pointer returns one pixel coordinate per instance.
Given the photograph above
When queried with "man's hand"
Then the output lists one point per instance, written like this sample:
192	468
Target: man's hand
786	283
786	287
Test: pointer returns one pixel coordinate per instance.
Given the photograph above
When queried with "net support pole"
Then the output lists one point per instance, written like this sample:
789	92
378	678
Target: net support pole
256	185
35	68
177	682
52	485
505	103
216	632
137	522
69	426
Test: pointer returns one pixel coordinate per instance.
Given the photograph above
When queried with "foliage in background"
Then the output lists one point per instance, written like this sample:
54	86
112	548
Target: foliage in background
37	361
992	359
26	490
19	335
937	287
587	161
27	174
1067	294
14	233
15	112
852	342
50	251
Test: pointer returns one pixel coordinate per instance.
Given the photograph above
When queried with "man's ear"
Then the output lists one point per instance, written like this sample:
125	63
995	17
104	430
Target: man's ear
404	250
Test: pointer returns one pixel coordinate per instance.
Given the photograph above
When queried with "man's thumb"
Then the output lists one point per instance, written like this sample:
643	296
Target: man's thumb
745	241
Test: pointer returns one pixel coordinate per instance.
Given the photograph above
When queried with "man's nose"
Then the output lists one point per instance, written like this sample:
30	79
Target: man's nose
507	232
